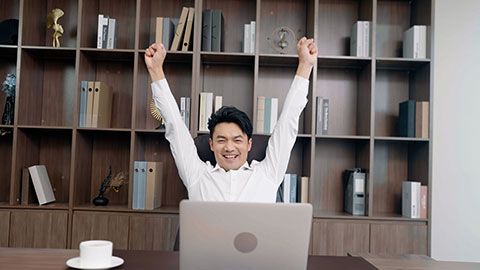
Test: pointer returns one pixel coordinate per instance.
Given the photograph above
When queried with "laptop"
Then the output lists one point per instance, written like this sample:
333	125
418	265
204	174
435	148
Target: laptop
233	235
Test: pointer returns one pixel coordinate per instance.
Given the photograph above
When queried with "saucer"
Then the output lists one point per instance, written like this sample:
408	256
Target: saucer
75	263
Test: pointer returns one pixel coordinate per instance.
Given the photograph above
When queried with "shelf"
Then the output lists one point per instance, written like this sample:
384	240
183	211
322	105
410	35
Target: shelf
120	208
343	62
48	53
338	215
278	60
112	130
33	127
124	55
402	139
401	63
212	58
50	206
340	137
8	51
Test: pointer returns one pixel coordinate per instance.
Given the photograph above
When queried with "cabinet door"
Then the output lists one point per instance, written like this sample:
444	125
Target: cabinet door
38	229
397	238
337	238
100	226
4	228
153	232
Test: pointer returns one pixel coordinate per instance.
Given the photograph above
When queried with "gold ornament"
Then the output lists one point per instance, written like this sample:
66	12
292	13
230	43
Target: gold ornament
52	19
156	114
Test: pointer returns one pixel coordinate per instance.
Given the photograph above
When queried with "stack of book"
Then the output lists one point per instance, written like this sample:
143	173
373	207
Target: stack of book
95	104
147	185
212	30
294	190
185	110
321	127
413	119
41	182
267	114
249	37
415	42
107	32
208	105
360	39
414	199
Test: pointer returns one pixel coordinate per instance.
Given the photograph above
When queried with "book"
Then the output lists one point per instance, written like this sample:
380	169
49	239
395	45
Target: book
218	103
286	188
28	191
246	38
268	115
273	114
415	42
423	201
159	30
252	36
154	185
260	114
183	111
83	104
321	127
102	21
88	118
207	30
202	112
168	30
355	196
293	188
105	32
422	119
411	199
41	182
325	114
356	39
303	189
188	30
406	119
112	33
366	38
217	30
208	108
179	31
102	105
139	184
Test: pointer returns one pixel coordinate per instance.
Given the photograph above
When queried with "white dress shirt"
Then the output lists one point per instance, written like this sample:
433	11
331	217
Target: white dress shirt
257	182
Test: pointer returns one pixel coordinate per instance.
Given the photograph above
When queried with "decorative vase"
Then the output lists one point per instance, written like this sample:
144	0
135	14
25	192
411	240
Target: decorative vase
8	113
100	200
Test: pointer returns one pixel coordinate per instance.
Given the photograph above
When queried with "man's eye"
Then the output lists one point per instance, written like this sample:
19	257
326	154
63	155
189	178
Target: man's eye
221	141
238	141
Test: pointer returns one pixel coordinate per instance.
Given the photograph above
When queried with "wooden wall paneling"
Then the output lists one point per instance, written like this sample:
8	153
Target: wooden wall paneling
4	227
83	169
393	18
124	12
420	83
154	147
296	164
421	13
233	83
235	15
110	149
34	30
89	22
143	118
338	238
364	101
332	158
28	153
398	238
153	232
274	82
100	226
5	165
273	14
418	162
38	229
118	75
9	9
30	90
391	88
391	169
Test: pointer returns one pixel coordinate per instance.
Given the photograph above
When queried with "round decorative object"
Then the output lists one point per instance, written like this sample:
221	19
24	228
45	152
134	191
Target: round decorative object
156	114
282	39
100	201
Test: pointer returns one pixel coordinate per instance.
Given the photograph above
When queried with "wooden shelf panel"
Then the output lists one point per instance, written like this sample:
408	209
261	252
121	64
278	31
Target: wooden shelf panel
332	158
344	62
401	63
53	79
335	21
8	52
349	94
122	10
395	162
50	206
124	209
95	151
393	87
403	139
9	9
393	19
118	75
338	215
278	60
6	142
150	9
212	58
154	147
341	137
110	55
48	147
35	32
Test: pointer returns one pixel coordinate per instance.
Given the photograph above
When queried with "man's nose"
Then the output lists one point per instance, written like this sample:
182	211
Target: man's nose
229	146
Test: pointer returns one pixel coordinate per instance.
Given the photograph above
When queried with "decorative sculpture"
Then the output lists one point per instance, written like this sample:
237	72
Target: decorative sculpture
156	114
8	86
114	183
52	20
282	39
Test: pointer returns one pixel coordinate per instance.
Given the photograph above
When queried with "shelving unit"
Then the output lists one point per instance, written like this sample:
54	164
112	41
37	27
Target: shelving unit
364	93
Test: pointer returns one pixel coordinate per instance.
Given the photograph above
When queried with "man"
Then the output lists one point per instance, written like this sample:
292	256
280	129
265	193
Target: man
232	179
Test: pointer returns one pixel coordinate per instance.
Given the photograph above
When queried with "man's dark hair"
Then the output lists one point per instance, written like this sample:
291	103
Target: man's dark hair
228	114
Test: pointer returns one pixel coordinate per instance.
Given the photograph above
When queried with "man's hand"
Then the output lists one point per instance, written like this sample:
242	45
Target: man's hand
154	57
307	55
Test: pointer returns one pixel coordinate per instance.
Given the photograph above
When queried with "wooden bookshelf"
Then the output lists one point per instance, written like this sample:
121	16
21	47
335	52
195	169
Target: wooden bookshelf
364	94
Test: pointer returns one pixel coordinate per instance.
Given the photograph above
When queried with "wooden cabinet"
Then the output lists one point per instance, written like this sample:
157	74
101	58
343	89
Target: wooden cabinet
38	229
391	238
364	94
4	228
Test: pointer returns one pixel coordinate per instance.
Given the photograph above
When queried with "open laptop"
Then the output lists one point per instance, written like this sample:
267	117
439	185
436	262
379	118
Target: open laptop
228	235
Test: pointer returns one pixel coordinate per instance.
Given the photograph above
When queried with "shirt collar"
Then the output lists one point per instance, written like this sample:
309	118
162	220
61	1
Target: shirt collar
245	166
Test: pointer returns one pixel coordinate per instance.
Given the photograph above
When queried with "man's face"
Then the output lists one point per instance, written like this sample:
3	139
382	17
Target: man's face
230	146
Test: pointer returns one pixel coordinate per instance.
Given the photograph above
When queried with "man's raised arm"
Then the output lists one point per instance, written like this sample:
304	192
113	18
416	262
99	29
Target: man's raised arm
181	143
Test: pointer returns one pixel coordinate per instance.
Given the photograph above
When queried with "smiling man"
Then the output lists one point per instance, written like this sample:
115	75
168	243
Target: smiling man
232	178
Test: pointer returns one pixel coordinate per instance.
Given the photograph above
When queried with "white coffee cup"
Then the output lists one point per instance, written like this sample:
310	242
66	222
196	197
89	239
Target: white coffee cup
96	253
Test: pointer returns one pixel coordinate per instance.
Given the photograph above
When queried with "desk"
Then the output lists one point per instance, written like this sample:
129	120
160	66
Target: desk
54	259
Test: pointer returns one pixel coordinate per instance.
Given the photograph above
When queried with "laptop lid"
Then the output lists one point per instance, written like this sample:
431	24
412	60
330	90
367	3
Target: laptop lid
233	235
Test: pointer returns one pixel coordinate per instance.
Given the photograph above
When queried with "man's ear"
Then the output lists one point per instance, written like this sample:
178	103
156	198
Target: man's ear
249	144
211	143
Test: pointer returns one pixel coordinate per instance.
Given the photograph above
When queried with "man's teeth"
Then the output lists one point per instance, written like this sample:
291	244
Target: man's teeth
230	156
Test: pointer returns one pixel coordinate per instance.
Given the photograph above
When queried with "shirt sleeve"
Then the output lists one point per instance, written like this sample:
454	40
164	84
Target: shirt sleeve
285	132
182	145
